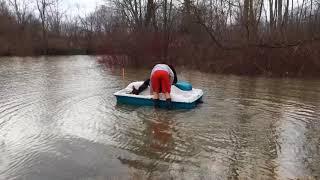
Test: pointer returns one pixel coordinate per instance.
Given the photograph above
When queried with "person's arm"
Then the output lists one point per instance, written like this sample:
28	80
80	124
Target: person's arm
175	77
141	88
144	86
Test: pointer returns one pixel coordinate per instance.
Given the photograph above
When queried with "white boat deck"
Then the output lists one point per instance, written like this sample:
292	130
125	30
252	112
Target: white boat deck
177	95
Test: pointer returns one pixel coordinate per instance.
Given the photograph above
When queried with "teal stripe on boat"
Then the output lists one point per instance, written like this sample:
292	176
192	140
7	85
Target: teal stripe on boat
149	102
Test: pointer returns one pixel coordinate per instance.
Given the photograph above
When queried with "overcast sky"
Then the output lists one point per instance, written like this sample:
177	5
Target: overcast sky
84	7
80	7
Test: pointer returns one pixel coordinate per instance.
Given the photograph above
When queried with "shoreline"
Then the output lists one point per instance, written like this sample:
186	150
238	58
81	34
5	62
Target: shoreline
130	64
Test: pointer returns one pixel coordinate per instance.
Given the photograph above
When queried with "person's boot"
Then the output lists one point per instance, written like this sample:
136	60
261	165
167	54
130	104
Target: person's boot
169	104
156	103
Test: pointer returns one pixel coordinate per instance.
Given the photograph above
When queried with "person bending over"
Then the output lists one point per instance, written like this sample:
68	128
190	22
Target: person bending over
161	78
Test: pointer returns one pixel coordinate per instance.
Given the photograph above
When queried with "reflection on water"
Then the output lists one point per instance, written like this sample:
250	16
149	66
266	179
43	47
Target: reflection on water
59	120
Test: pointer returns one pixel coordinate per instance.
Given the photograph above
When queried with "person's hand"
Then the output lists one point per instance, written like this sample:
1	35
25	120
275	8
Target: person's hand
134	91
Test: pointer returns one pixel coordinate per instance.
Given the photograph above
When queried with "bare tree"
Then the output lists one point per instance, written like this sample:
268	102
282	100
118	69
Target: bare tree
55	15
222	33
3	8
43	7
150	14
20	8
279	21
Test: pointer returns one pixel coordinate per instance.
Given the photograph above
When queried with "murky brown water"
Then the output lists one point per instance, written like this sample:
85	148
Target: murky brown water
59	120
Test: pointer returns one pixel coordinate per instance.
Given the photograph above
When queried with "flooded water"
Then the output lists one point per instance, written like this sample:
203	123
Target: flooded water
60	120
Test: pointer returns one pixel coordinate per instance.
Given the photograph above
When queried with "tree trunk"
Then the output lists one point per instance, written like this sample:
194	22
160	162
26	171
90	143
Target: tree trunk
286	14
279	13
165	29
246	17
271	15
149	14
42	6
253	23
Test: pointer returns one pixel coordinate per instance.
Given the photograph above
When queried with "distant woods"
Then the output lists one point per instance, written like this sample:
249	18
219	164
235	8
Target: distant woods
42	27
252	37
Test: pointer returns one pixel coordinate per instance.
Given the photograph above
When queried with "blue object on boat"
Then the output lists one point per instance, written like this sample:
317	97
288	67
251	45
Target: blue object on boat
184	86
180	99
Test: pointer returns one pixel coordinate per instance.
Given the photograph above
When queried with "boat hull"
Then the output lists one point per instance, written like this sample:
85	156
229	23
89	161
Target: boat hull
149	102
180	99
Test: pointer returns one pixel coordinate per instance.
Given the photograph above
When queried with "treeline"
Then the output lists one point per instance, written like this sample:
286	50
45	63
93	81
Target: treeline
252	37
42	27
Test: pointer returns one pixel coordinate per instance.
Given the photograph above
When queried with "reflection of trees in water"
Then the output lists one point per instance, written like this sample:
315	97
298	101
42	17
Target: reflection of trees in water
253	137
299	131
262	135
312	147
313	140
300	141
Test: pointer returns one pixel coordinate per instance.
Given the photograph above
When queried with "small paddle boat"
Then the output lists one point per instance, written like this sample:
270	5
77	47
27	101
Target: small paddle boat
183	96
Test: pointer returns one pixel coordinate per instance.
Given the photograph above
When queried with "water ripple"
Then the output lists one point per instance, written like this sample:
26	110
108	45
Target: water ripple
59	120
